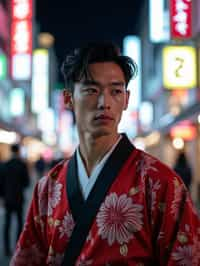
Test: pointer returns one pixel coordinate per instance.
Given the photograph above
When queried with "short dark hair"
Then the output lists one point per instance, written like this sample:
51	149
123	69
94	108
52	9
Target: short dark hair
15	148
75	65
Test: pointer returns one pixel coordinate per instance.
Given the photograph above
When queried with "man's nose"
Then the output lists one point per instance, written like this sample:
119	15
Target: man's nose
104	100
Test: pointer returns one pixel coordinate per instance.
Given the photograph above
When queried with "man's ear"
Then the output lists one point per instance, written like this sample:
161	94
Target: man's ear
127	99
68	99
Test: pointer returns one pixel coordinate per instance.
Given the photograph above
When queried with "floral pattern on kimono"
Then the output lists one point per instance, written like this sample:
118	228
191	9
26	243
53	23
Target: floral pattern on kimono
147	218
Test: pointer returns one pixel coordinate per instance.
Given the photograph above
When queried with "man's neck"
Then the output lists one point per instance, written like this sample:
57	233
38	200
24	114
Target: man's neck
92	150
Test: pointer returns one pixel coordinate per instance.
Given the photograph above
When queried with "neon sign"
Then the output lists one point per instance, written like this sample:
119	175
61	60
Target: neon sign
181	19
21	39
179	67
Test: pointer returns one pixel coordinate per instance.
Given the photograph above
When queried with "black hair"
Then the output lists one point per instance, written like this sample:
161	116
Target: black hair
75	65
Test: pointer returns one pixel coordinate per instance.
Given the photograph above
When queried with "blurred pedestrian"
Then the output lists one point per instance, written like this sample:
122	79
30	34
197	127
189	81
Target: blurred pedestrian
183	168
14	179
110	203
40	167
1	180
1	183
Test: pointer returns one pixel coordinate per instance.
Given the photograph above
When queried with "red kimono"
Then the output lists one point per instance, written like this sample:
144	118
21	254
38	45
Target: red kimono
146	218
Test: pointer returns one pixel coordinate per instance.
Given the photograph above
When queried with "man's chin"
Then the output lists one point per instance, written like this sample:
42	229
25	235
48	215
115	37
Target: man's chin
101	133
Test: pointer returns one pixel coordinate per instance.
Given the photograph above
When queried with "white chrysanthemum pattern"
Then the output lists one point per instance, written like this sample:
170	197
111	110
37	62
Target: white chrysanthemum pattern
119	218
43	196
154	187
178	190
67	226
49	196
54	195
145	164
183	256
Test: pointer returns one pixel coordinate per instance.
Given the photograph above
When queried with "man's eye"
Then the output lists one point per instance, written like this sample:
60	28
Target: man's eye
116	91
91	90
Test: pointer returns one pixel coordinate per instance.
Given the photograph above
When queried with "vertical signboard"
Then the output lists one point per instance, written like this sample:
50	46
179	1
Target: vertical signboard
17	102
21	39
40	81
179	67
159	29
3	66
181	19
128	123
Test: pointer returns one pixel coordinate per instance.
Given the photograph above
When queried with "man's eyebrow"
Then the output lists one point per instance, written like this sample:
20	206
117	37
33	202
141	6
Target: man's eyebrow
117	83
91	82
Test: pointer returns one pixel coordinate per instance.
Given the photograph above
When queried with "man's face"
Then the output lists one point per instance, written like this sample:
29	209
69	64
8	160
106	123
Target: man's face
99	101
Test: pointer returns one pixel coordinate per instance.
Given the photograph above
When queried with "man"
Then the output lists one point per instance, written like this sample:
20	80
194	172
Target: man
40	167
110	204
14	179
183	169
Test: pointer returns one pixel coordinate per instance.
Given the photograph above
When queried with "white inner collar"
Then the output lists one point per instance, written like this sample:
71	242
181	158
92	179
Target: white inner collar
87	182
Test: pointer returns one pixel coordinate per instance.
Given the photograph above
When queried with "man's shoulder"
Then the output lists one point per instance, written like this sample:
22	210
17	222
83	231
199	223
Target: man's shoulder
55	170
150	166
55	173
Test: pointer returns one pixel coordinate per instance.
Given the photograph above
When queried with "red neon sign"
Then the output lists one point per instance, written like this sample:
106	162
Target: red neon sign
22	9
181	19
21	37
21	30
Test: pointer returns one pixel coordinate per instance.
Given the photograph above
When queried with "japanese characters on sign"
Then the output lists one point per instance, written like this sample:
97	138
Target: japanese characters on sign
181	19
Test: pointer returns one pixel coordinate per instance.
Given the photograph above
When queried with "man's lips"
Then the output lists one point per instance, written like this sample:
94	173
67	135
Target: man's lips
103	117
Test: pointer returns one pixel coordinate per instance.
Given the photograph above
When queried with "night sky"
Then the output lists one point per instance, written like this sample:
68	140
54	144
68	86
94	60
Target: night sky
74	22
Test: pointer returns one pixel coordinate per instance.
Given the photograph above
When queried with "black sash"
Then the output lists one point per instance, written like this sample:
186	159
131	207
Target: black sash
84	212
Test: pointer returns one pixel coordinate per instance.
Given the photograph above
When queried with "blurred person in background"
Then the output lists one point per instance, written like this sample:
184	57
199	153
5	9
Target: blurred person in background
40	167
110	203
183	169
1	182
1	179
15	178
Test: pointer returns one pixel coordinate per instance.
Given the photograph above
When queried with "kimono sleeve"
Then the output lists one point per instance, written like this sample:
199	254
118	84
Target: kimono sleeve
178	242
31	248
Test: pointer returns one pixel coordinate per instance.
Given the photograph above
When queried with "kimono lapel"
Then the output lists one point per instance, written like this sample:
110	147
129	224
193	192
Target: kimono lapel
88	210
75	197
